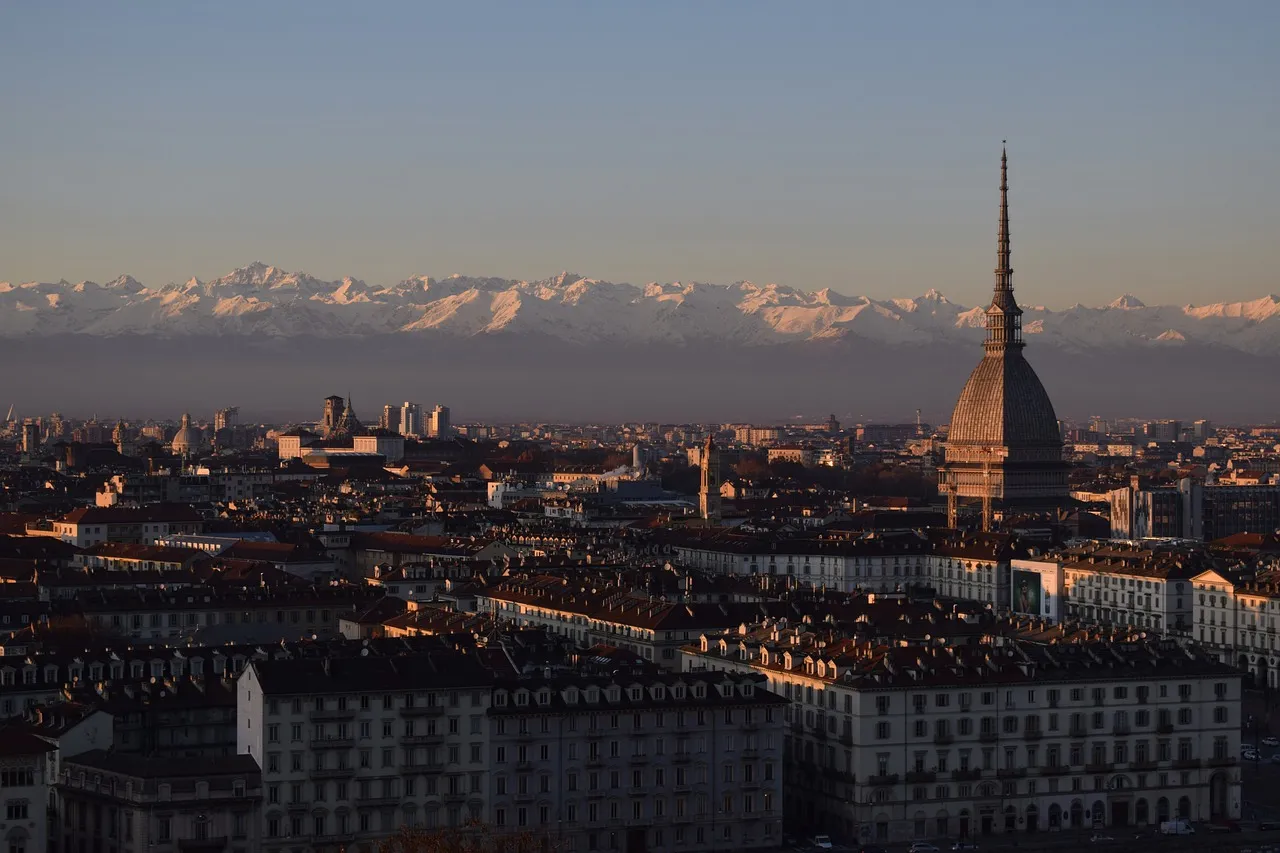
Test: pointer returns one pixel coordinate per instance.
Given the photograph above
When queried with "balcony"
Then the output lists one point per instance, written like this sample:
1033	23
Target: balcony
1186	764
846	740
1120	729
333	743
1011	773
419	740
331	716
681	758
377	801
1164	729
1077	731
422	711
942	738
333	773
423	766
1142	765
641	759
820	734
1224	761
888	779
918	776
971	775
1055	770
203	844
1032	734
988	737
1099	767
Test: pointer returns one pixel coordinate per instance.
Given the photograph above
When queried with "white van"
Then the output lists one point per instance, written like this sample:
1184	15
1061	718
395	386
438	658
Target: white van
1176	827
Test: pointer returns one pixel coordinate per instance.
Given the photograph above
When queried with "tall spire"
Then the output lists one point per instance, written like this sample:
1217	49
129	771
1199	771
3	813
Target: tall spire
1004	317
1004	270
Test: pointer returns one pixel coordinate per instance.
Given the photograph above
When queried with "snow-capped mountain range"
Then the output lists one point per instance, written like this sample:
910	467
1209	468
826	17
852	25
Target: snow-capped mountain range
261	300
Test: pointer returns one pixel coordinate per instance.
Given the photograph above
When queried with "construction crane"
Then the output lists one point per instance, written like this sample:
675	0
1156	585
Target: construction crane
9	417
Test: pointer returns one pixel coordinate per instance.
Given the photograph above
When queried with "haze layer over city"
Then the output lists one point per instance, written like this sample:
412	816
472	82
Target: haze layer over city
606	428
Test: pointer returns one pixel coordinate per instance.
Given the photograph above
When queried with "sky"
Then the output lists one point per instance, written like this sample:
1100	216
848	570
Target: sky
851	145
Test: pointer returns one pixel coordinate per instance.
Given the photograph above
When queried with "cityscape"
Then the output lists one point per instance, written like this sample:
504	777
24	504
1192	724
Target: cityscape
567	565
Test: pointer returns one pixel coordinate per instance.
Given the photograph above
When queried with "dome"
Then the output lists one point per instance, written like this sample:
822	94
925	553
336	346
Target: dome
1004	405
187	437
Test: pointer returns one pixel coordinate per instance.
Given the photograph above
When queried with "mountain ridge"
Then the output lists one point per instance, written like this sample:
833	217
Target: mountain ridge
264	300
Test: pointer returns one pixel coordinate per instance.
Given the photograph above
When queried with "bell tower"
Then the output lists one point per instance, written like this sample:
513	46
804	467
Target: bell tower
709	493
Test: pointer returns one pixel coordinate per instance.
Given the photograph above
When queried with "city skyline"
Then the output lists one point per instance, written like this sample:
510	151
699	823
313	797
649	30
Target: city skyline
838	148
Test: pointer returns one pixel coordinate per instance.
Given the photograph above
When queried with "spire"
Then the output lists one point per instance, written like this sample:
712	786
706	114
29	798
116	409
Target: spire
1004	270
1004	317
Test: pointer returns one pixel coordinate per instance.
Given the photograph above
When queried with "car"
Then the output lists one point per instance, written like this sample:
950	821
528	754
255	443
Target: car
1271	741
822	842
923	847
870	848
1275	758
1097	838
1223	826
964	845
1269	825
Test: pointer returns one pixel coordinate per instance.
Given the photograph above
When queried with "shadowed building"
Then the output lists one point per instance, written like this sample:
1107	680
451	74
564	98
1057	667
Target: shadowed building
1004	447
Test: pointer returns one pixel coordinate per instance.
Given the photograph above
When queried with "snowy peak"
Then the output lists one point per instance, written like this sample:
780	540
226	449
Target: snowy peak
1125	302
260	299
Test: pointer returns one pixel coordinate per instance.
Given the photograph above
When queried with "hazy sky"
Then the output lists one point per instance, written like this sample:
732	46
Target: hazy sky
853	145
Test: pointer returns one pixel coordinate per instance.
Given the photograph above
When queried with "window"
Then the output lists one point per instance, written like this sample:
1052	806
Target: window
16	810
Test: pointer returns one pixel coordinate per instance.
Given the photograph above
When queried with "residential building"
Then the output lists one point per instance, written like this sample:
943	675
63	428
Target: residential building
900	740
118	802
27	765
638	762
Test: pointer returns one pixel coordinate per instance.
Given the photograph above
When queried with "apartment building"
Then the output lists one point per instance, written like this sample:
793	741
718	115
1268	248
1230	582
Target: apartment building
638	762
353	748
973	566
217	615
119	803
1235	619
894	741
591	613
26	775
1111	583
93	525
610	754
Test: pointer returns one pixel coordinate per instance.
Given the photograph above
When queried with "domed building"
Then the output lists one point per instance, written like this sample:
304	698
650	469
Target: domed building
187	439
1004	447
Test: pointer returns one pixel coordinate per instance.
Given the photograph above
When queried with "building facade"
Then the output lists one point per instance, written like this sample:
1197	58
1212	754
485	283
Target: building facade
894	743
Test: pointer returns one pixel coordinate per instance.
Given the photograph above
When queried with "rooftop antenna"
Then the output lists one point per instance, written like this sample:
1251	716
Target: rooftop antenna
919	425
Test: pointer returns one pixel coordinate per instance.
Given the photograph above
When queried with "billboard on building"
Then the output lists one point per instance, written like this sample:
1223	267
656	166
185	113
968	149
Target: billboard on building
1028	593
1035	588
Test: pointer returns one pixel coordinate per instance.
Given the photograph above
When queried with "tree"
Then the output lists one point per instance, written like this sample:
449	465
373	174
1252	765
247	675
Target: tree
474	837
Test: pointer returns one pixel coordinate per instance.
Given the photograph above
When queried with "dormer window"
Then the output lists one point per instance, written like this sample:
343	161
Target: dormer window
614	694
593	694
522	698
699	691
544	697
659	692
500	699
635	693
677	691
